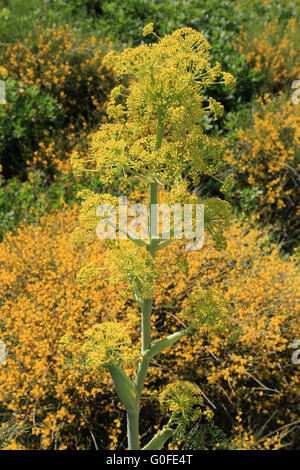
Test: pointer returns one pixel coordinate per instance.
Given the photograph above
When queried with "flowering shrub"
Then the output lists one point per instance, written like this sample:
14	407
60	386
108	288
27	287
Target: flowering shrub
66	67
273	53
64	83
249	378
266	159
50	320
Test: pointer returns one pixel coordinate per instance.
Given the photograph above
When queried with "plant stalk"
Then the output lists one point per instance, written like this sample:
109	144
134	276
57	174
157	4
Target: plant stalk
133	415
133	429
159	439
146	324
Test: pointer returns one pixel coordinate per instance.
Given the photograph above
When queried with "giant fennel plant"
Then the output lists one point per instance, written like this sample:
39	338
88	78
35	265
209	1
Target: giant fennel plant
155	135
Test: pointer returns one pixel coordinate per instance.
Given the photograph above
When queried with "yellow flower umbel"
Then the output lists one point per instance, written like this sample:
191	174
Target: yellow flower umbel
105	344
148	29
132	265
182	400
89	217
165	97
206	311
108	343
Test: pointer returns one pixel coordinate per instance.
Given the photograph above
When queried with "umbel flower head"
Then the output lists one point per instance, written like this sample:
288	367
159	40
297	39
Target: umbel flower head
207	311
86	274
105	343
148	29
3	73
89	218
217	212
129	263
217	215
156	130
183	401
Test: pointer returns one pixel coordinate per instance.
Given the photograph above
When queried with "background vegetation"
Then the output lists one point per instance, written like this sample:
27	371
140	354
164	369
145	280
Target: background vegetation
56	91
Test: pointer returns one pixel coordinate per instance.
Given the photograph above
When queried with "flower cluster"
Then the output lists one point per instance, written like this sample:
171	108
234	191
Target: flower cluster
132	265
89	217
107	343
266	158
69	68
206	311
183	401
273	52
157	133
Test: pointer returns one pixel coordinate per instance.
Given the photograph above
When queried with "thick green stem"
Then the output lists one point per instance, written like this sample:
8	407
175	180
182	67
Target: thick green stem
159	439
133	430
147	303
127	394
131	396
146	324
153	189
142	373
149	354
159	134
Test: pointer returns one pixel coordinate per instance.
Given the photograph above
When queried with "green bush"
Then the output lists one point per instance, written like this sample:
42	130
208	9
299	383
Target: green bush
264	161
28	117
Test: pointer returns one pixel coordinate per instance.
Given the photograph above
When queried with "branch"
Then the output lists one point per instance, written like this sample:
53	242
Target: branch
167	342
159	439
150	353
